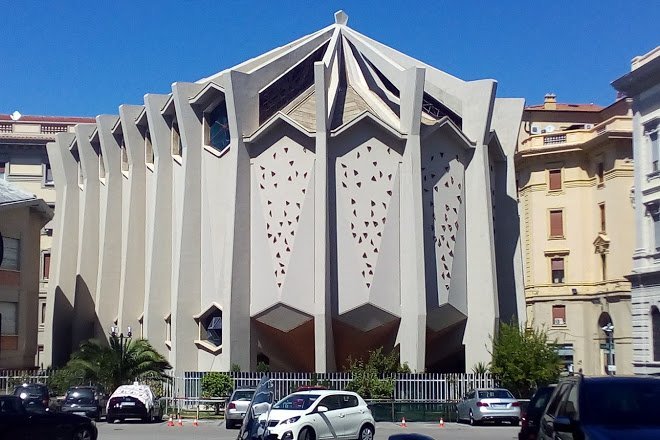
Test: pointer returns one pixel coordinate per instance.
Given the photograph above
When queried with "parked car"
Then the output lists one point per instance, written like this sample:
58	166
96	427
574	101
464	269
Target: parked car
492	404
529	426
319	414
133	402
84	400
310	388
598	408
17	423
33	395
236	406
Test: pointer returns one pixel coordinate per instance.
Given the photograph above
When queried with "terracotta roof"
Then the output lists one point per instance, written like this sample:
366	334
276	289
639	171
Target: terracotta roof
54	119
568	107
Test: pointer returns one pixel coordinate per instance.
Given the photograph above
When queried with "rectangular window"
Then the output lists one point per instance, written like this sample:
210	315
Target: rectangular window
603	266
3	166
556	223
557	267
48	175
559	315
655	151
656	230
42	318
11	256
9	311
554	180
601	209
601	173
177	147
45	272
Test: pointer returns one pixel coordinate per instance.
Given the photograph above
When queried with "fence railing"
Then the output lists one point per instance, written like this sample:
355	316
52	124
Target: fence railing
9	379
407	386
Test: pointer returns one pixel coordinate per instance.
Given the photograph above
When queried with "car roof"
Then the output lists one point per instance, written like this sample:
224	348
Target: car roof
324	392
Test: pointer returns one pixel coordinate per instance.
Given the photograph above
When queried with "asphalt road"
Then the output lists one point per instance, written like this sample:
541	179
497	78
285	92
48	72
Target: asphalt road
215	430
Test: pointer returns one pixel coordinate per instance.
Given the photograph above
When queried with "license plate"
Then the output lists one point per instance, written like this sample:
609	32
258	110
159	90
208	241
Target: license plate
499	405
78	413
128	404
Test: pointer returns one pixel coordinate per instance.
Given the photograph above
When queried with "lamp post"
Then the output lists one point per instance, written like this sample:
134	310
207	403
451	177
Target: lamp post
129	334
609	331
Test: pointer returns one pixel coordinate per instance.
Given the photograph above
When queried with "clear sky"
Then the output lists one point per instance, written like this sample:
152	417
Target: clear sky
70	57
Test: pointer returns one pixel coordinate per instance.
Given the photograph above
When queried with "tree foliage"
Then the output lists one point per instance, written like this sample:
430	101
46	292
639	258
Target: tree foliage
216	384
523	359
370	377
117	363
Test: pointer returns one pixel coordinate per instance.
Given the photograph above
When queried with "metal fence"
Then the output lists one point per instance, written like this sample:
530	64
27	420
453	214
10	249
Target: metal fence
9	379
407	386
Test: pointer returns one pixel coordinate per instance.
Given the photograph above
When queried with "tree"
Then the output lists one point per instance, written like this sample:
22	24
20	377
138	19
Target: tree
523	360
216	384
119	363
480	368
370	377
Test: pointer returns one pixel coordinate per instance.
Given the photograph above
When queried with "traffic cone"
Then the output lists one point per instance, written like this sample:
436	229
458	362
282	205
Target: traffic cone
170	422
403	422
442	422
180	420
195	423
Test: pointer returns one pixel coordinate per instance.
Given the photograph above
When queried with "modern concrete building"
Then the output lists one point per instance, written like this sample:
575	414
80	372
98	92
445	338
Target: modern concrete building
642	84
326	198
575	175
24	162
22	217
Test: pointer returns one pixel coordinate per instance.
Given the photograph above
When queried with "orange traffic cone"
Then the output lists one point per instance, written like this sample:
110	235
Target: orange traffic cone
180	420
195	423
403	422
442	422
170	422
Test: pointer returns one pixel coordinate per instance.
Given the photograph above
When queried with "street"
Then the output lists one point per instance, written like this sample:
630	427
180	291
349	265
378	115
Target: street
215	430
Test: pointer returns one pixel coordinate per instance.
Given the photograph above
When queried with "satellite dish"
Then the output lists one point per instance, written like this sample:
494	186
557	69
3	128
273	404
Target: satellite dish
16	116
549	128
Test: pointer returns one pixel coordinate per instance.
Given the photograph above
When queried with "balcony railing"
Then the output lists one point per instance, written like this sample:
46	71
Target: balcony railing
576	137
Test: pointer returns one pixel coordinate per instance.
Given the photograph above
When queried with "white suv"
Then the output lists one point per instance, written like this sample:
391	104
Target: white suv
319	415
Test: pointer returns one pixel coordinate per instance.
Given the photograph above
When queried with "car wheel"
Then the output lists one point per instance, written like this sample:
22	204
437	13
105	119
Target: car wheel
472	421
366	433
306	434
83	433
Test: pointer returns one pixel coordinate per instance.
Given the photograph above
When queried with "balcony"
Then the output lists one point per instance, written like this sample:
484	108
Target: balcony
562	139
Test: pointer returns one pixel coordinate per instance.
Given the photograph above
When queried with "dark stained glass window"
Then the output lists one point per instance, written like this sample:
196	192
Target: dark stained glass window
218	122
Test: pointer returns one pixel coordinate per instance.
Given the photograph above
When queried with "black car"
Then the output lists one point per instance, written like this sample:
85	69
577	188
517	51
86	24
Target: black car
84	400
134	402
33	395
17	423
531	415
599	408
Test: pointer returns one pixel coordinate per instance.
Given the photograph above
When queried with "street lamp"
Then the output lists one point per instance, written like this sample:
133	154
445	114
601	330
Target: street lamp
129	334
609	331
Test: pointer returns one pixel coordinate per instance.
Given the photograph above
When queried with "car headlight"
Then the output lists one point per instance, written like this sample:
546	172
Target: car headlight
291	420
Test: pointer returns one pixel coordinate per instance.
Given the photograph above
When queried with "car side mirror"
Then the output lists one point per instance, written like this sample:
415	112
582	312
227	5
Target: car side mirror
563	424
321	409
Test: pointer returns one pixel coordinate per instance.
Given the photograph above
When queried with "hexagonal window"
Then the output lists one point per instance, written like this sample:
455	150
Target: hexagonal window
210	326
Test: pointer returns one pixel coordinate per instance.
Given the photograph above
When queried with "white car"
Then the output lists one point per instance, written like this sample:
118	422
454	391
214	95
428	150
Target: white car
320	415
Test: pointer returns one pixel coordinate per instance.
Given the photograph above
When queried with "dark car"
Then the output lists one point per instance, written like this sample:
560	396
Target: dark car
33	395
17	423
599	408
531	415
84	400
134	402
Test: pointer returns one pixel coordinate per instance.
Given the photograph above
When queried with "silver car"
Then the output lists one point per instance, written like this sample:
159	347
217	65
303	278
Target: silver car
494	404
236	406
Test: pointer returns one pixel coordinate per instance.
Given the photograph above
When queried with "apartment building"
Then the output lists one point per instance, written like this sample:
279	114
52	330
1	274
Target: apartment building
574	168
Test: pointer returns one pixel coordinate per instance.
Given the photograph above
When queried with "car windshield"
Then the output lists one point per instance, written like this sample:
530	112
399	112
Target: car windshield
297	401
495	394
83	395
29	390
621	403
540	399
243	395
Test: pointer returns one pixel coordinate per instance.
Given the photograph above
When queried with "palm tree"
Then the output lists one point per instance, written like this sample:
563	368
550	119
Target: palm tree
121	362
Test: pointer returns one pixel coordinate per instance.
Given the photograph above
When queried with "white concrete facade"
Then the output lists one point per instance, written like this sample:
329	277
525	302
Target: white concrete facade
642	84
326	198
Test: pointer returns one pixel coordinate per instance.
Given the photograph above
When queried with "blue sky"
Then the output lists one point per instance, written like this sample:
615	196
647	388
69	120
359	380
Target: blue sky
88	57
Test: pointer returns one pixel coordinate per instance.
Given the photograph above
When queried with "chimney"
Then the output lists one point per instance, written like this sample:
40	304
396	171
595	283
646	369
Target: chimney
550	101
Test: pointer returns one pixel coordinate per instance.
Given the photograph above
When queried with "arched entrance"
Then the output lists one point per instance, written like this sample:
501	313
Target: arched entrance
606	337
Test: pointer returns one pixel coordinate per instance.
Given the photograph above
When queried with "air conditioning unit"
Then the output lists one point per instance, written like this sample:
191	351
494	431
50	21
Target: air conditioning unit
536	130
559	321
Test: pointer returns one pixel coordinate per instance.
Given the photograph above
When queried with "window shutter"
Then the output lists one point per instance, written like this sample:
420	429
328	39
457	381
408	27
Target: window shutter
556	224
555	180
46	266
557	264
